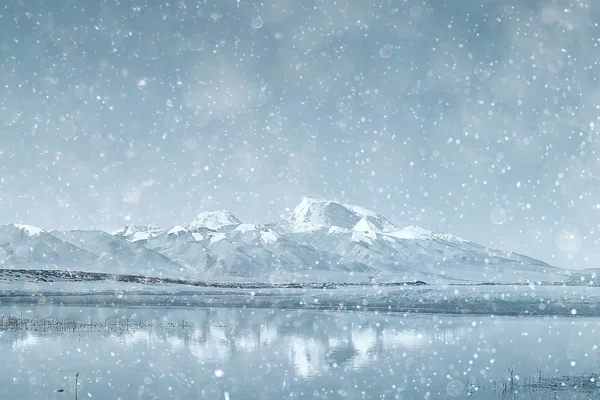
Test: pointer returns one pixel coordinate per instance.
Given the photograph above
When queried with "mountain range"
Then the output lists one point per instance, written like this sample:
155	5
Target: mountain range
319	241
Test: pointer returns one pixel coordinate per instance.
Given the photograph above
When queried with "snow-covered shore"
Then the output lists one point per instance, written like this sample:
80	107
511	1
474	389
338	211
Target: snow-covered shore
432	299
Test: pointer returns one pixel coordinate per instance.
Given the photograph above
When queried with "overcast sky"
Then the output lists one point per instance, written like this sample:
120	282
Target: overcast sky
475	118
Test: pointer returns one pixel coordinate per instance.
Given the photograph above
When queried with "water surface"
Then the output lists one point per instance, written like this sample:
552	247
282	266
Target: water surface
279	354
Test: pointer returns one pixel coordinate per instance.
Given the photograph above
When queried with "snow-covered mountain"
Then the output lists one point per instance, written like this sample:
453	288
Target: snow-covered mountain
31	248
116	255
215	220
319	241
314	214
134	233
26	246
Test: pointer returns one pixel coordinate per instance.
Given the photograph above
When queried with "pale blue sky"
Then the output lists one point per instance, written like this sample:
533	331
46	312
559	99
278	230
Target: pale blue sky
434	113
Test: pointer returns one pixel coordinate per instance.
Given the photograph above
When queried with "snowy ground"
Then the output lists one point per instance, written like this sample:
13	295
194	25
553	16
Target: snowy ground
437	299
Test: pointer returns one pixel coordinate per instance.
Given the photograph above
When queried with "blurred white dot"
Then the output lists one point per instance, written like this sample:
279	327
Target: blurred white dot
174	119
133	196
345	105
146	48
200	118
455	388
385	52
370	95
482	71
217	30
415	12
190	143
348	124
21	252
575	351
142	83
549	15
219	373
67	129
275	124
568	241
196	42
257	23
592	166
211	392
147	380
258	97
499	215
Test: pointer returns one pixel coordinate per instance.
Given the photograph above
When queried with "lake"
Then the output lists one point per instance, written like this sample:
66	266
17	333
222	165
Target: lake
141	353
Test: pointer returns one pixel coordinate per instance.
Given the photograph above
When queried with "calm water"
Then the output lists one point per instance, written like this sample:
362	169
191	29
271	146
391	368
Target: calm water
262	354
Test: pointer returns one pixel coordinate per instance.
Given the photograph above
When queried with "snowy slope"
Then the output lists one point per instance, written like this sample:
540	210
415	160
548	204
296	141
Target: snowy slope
313	214
135	233
249	252
214	220
407	253
25	246
116	255
319	241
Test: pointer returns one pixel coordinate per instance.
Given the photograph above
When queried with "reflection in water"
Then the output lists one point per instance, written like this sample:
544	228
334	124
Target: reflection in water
262	354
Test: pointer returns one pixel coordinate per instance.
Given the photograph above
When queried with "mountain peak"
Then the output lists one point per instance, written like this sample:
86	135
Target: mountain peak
176	230
130	230
214	220
449	237
29	230
365	226
412	232
314	214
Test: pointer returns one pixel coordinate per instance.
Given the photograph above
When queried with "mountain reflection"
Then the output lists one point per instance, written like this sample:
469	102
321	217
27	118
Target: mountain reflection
312	343
276	354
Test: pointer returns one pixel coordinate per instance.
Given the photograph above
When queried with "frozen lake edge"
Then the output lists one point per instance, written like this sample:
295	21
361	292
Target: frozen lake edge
500	300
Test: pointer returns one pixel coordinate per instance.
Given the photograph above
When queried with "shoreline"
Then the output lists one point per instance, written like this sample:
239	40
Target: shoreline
498	300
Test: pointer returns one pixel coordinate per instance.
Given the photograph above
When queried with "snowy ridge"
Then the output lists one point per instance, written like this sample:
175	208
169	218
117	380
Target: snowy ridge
246	228
449	237
319	241
175	230
214	220
136	233
412	232
29	229
367	228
